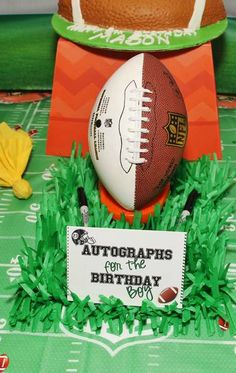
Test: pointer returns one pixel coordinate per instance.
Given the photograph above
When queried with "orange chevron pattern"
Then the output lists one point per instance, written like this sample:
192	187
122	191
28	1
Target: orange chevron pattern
81	72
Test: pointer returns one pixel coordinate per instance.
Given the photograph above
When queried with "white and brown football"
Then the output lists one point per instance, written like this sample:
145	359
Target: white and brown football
137	131
168	295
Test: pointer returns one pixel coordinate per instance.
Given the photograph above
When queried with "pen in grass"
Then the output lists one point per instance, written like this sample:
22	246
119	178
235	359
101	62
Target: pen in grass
189	205
83	205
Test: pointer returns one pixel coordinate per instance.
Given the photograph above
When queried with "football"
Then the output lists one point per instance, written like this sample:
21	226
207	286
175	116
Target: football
4	362
137	131
168	295
224	325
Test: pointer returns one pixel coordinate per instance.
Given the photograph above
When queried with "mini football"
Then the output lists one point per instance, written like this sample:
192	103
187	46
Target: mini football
4	362
168	295
137	131
224	325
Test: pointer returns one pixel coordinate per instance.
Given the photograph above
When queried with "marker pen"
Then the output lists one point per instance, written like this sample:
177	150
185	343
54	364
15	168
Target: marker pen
83	205
189	205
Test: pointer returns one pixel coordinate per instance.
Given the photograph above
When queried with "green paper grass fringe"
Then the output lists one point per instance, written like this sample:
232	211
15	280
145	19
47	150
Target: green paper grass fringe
41	296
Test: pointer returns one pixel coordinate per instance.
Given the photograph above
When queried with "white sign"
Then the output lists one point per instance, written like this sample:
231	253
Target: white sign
132	265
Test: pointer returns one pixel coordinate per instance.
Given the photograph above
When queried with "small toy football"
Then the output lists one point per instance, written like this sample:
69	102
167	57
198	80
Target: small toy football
4	362
137	131
224	325
168	295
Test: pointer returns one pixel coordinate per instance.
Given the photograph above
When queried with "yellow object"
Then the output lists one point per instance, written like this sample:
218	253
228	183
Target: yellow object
15	149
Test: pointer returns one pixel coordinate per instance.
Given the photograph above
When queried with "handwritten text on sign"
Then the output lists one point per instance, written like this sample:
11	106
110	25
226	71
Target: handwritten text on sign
132	265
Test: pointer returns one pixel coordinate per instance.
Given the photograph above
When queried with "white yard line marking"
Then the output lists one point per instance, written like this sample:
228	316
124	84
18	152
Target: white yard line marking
227	129
231	275
44	111
71	370
73	361
4	204
34	172
226	115
26	114
3	209
76	343
153	355
42	123
225	161
201	341
154	347
17	237
56	335
233	145
21	212
39	139
74	352
6	199
231	246
6	296
51	192
47	156
7	194
8	265
32	117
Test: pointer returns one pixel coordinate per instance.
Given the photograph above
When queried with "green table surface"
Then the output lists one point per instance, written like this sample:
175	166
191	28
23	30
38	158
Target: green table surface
85	352
28	48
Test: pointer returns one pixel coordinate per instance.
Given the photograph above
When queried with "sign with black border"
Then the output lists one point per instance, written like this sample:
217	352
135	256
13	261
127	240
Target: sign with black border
132	265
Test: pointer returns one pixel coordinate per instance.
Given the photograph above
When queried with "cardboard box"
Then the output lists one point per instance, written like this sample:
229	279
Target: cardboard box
81	72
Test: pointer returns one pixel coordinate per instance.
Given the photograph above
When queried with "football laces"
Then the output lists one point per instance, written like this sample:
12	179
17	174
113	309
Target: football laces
139	96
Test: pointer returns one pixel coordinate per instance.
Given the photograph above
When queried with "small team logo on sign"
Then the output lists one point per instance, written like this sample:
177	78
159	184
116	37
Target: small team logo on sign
176	129
81	237
4	362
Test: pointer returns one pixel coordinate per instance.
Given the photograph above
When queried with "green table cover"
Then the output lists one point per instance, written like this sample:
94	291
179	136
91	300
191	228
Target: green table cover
85	352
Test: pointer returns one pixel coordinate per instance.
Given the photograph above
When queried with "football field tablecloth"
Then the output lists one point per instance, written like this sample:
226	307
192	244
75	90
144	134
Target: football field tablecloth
68	351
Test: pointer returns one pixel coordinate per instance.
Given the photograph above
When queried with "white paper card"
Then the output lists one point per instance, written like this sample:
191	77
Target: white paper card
132	265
